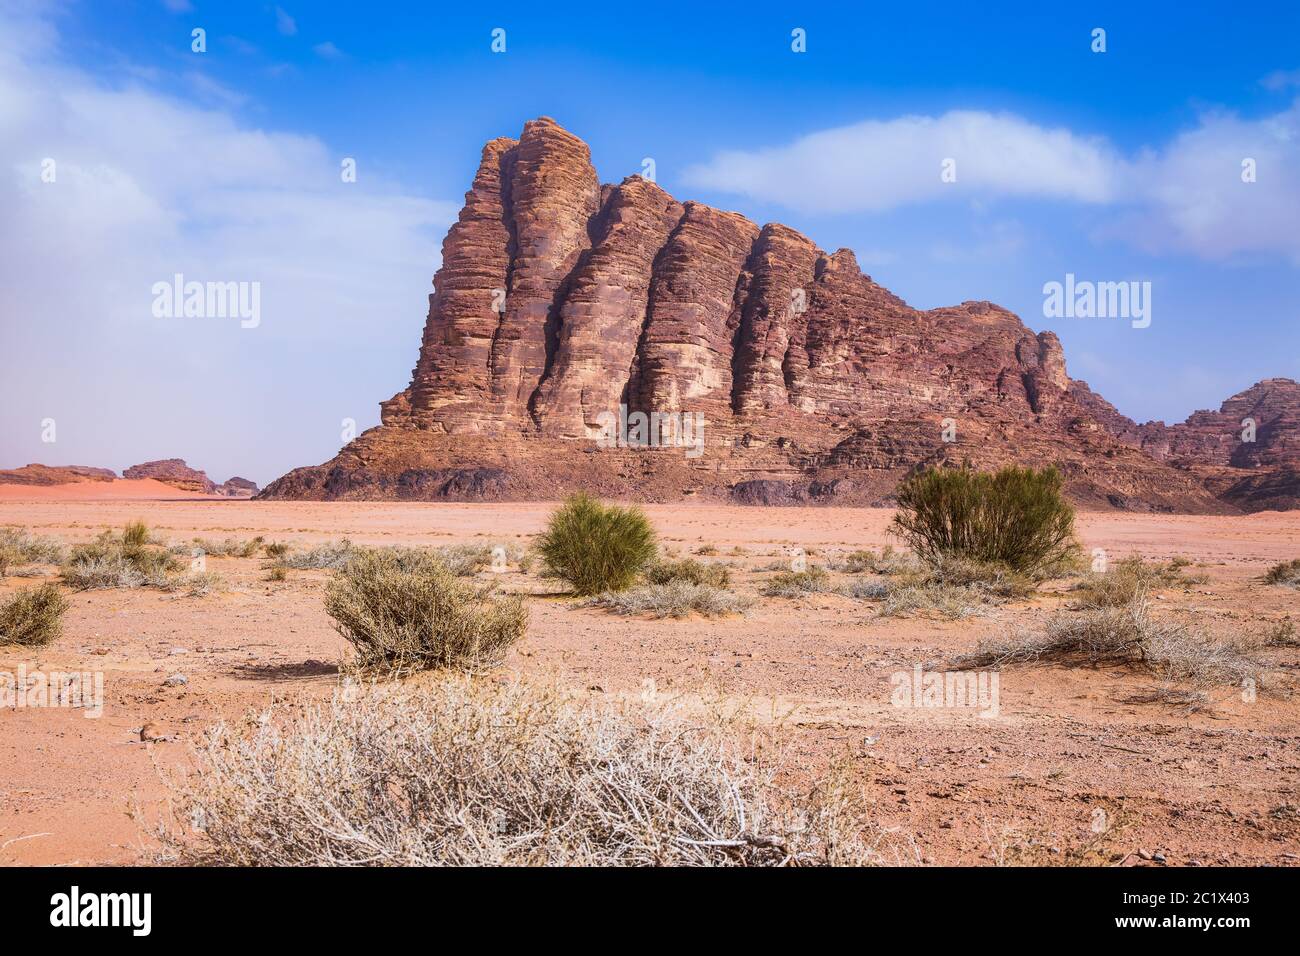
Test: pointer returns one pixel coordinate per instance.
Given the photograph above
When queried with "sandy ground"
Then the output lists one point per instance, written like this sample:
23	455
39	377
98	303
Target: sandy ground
1216	786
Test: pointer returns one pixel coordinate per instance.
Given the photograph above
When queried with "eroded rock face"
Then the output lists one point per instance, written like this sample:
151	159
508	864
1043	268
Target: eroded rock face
560	300
174	472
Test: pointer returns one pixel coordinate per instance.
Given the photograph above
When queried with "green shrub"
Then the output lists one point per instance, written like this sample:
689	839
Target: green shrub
1016	517
135	534
596	547
690	571
32	616
406	610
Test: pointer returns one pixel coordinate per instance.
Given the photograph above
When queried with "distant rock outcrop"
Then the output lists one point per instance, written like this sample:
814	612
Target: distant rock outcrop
563	305
54	475
174	472
237	488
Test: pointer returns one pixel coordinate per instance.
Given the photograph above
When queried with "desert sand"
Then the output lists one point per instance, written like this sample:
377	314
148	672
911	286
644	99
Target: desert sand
1211	786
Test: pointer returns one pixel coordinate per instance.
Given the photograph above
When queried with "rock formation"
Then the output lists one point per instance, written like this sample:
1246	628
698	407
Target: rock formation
54	475
237	488
563	305
174	472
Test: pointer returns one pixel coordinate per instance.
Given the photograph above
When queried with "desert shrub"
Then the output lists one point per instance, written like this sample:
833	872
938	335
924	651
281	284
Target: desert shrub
32	616
465	560
1282	634
18	547
405	610
192	584
1127	634
676	598
1015	517
865	589
464	772
1286	572
690	571
323	557
596	547
230	547
954	602
1127	580
276	549
793	584
135	534
126	561
277	573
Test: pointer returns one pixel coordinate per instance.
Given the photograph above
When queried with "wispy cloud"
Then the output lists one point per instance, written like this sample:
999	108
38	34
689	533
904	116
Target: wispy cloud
328	51
285	23
1190	195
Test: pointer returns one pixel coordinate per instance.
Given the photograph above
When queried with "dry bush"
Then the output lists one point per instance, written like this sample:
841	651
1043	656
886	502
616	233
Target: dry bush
193	584
1282	634
1127	635
129	561
1015	517
32	616
674	599
277	573
1287	573
465	560
323	557
596	547
1130	579
277	549
463	772
230	548
18	547
954	602
405	610
793	584
690	571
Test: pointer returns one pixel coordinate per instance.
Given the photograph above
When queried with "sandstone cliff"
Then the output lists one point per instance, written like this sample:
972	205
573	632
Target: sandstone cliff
562	304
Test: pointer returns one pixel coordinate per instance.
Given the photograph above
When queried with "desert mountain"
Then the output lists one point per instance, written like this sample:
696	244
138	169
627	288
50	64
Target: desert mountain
564	307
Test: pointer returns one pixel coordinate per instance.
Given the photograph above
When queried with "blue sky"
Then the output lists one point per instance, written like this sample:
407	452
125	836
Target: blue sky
1114	166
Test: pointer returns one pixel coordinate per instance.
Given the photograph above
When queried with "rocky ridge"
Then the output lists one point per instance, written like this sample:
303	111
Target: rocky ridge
563	304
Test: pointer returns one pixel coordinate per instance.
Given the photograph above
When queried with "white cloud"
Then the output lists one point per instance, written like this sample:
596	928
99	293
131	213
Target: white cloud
328	51
1186	196
147	185
880	164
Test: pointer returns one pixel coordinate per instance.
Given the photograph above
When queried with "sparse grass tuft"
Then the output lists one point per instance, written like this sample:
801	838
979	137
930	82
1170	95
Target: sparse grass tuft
1014	517
596	547
465	772
677	598
32	616
405	610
